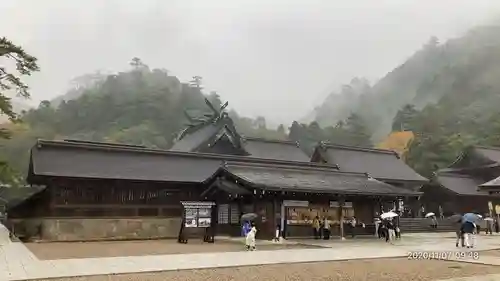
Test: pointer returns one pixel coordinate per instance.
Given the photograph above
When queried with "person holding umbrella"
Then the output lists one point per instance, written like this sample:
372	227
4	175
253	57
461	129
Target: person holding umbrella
469	228
389	226
457	223
433	218
250	239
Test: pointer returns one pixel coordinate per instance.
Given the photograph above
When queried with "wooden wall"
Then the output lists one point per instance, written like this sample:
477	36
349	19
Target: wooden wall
108	198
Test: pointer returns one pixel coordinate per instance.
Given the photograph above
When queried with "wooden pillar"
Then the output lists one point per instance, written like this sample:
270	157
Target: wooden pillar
52	198
341	217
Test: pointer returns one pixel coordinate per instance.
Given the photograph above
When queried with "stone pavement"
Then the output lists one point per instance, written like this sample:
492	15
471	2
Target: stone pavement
490	277
18	263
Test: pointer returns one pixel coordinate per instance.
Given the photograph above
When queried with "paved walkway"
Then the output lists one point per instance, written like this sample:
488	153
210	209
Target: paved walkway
18	263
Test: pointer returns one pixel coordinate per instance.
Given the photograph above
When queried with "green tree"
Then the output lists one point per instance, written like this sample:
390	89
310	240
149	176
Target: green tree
11	82
404	118
25	65
357	131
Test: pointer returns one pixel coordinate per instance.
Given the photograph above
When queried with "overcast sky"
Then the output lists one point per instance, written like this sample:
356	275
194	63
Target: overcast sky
277	58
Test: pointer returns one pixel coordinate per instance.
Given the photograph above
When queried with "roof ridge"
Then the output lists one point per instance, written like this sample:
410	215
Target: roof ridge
99	146
487	147
289	142
304	168
288	163
357	148
275	141
103	143
451	174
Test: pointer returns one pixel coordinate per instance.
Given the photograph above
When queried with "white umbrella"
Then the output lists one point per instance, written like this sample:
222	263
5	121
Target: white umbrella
479	216
488	219
388	215
431	214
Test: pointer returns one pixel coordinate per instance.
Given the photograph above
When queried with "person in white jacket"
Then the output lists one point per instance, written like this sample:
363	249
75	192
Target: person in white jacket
250	239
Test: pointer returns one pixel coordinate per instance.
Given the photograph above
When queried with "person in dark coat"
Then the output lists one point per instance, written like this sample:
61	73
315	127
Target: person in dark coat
469	228
459	232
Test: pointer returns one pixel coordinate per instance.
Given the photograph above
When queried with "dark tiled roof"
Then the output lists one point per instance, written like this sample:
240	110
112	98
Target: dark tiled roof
12	196
193	140
378	163
65	159
206	133
302	179
233	188
274	149
491	183
460	184
488	152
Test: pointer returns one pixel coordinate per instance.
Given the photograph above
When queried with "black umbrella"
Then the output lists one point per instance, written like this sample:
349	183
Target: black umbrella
456	218
249	217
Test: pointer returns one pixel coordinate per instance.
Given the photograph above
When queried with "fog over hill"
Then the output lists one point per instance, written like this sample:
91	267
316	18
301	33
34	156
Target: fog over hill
274	58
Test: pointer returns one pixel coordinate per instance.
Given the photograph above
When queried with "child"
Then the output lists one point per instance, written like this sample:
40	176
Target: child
250	239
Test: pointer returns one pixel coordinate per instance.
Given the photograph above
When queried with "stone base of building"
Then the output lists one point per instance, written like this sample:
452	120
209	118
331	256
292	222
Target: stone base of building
86	229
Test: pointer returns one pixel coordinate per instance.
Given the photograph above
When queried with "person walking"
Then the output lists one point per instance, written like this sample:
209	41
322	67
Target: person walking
390	234
469	228
457	223
326	229
245	228
353	223
489	224
377	222
316	227
250	238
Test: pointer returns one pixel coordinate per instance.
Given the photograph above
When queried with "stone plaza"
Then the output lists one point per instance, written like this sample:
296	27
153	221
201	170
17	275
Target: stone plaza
18	263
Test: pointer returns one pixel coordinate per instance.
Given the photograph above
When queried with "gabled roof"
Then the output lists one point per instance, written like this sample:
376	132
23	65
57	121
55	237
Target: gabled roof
460	184
475	157
274	149
12	196
102	161
310	179
114	161
379	163
117	161
205	134
489	152
492	183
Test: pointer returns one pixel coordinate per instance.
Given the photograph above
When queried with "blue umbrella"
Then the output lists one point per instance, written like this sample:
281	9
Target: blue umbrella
470	217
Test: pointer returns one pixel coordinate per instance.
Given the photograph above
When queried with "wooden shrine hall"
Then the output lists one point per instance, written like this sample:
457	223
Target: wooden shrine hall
95	191
468	184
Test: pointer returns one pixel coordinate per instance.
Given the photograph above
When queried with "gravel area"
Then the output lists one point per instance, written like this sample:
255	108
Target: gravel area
69	250
355	270
494	253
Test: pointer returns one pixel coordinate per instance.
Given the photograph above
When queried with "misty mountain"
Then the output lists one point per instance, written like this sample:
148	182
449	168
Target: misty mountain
140	106
464	68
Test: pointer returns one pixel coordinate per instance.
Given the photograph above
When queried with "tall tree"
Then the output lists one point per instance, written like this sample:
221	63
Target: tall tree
404	118
357	130
11	82
196	82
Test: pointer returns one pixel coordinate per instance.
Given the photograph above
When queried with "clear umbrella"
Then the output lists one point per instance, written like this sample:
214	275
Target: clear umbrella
388	215
470	217
431	214
249	217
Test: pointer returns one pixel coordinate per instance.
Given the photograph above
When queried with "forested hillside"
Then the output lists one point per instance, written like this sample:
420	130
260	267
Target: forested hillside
465	68
447	95
147	107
